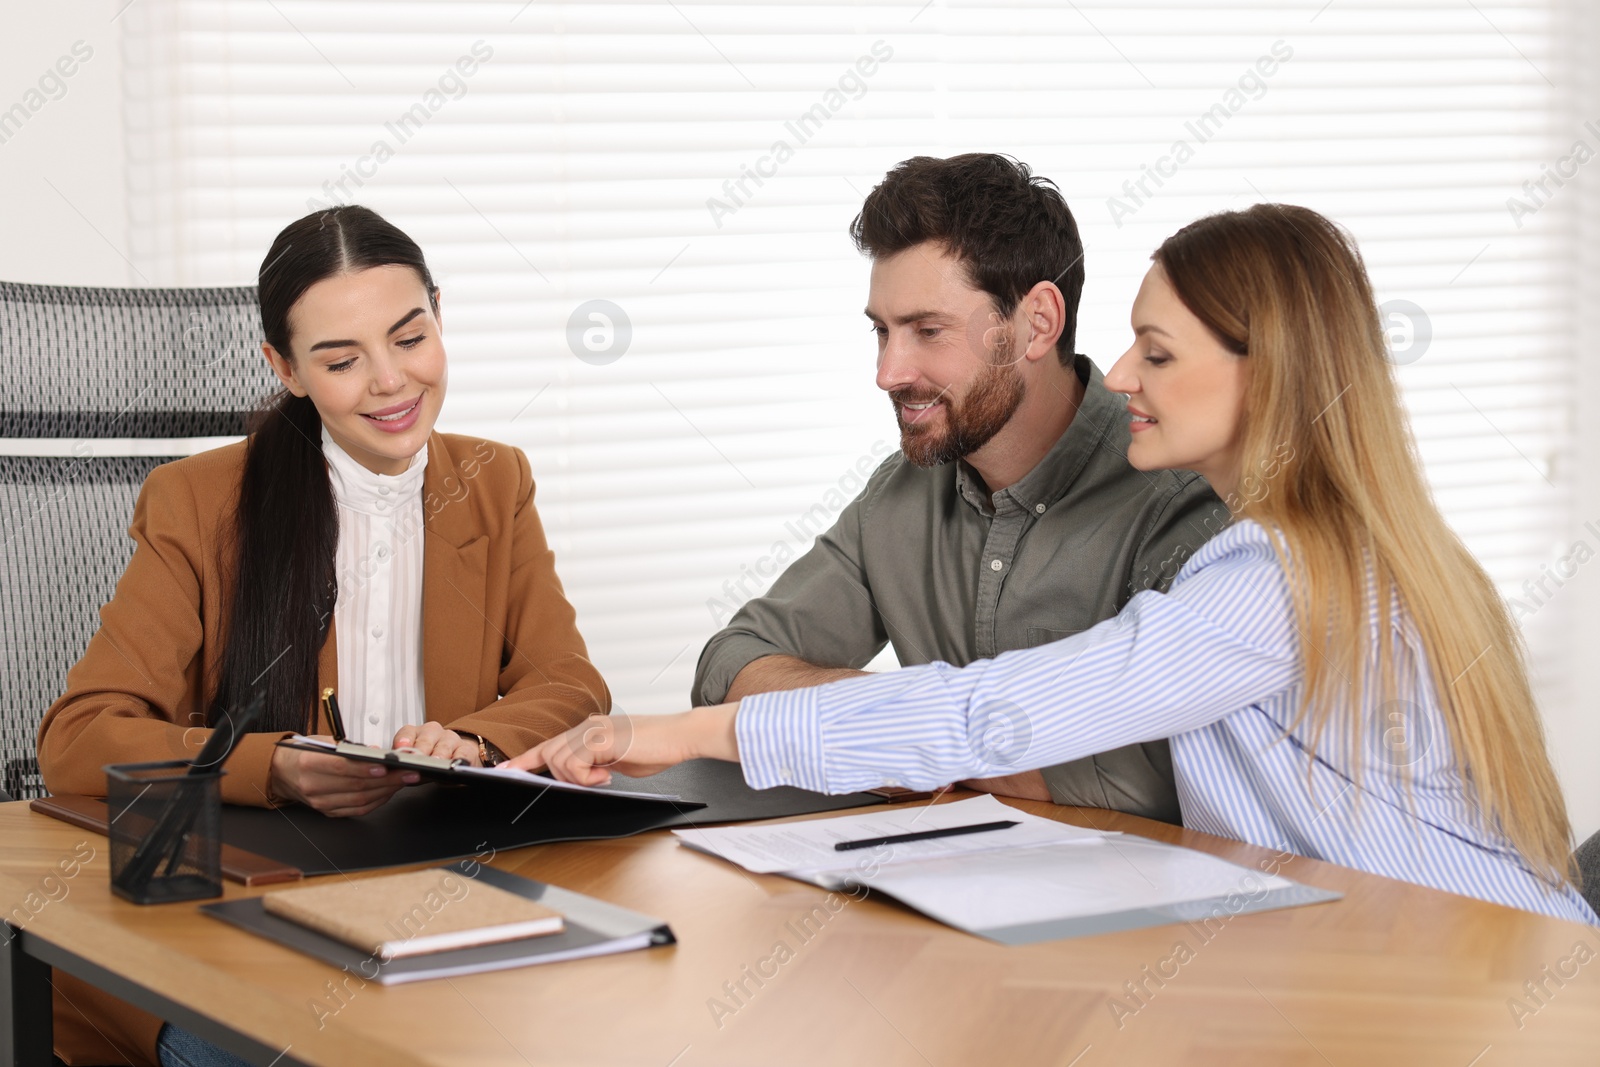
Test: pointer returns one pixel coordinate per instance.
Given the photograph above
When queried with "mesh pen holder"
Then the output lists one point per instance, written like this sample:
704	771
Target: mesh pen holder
166	832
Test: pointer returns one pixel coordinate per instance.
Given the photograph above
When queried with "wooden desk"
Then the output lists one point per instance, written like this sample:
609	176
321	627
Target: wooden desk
1391	974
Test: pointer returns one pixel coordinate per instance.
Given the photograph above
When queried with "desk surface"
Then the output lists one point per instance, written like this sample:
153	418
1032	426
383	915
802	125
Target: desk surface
1392	973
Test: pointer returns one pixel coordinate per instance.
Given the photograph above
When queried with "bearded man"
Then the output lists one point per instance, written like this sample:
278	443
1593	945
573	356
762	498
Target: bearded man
1010	516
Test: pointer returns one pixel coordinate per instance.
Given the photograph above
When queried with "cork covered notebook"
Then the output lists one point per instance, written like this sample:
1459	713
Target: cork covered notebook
399	915
593	928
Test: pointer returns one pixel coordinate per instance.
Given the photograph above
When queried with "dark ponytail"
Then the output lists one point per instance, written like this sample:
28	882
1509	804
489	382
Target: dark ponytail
286	528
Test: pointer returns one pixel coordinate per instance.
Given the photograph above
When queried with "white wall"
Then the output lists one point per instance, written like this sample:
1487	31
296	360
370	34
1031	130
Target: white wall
71	140
1575	735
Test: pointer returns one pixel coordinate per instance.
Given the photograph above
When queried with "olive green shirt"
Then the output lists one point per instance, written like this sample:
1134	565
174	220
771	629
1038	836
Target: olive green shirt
931	562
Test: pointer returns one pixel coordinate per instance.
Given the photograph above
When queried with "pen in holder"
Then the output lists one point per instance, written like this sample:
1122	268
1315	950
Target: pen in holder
166	831
166	819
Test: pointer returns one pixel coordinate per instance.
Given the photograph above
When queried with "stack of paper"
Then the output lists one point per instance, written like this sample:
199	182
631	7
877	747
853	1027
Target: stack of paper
808	847
1036	881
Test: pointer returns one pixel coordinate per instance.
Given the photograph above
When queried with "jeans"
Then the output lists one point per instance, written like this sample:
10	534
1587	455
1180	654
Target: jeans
180	1048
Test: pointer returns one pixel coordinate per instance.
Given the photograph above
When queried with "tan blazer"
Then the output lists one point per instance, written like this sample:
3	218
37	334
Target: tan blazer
502	657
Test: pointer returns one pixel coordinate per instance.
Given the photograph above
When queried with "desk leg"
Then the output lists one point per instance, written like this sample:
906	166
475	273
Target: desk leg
26	1027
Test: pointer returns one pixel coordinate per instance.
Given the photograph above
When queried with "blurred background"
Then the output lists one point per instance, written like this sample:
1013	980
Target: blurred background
637	213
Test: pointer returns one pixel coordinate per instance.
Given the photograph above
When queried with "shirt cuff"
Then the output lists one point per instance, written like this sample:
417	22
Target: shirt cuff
780	739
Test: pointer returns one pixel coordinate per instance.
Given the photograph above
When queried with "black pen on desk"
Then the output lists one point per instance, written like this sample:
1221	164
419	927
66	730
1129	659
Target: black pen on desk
925	835
330	708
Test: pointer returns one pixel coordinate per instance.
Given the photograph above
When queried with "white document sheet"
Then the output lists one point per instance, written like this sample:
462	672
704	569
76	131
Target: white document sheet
1038	881
807	846
1044	885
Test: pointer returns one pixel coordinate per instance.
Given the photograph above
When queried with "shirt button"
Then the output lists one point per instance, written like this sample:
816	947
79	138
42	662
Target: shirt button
996	565
377	631
1038	509
373	719
383	490
383	505
383	552
891	783
786	774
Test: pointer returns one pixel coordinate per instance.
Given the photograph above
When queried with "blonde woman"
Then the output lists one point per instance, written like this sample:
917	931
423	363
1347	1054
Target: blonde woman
1337	675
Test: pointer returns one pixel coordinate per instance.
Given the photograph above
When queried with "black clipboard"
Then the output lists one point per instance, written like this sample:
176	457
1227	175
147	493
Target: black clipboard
459	772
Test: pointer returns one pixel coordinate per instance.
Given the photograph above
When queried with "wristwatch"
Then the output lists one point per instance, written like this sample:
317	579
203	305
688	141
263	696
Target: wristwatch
488	754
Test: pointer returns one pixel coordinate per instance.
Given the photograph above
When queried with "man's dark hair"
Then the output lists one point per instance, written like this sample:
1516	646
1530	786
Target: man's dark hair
1010	228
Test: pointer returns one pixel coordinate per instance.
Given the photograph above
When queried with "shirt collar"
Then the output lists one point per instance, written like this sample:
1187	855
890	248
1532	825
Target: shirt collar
1053	475
359	489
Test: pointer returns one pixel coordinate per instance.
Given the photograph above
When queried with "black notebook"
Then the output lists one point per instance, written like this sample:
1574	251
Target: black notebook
714	791
430	823
593	928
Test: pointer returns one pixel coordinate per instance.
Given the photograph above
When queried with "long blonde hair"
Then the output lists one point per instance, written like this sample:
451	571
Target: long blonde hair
1286	289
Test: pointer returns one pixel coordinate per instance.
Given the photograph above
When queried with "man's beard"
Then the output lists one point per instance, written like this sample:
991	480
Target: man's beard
994	397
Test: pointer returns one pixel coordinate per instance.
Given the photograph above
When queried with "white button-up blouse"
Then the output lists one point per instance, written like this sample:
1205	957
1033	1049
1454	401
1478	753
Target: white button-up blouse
378	614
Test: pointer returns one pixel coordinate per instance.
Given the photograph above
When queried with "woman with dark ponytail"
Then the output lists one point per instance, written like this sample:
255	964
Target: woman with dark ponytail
345	544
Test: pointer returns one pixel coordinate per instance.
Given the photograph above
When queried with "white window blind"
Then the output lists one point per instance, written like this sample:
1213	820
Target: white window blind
696	165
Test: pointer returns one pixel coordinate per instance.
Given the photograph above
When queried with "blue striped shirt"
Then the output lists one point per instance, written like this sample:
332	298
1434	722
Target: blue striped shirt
1214	665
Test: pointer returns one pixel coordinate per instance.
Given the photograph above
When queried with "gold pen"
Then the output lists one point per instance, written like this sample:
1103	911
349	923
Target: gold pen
330	712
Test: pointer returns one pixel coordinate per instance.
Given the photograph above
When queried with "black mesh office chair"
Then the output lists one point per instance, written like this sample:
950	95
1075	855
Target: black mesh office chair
1587	858
78	364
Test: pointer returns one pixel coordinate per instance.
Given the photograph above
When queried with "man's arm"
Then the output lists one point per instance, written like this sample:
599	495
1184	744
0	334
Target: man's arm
771	673
817	623
1029	785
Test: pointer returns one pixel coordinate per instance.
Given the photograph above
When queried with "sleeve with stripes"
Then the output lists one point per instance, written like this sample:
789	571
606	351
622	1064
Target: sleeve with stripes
1222	639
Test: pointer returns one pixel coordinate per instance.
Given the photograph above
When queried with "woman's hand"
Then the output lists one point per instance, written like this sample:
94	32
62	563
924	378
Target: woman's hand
637	746
333	785
431	739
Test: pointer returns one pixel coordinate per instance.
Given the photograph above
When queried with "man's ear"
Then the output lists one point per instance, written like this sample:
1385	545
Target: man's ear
1044	312
283	369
